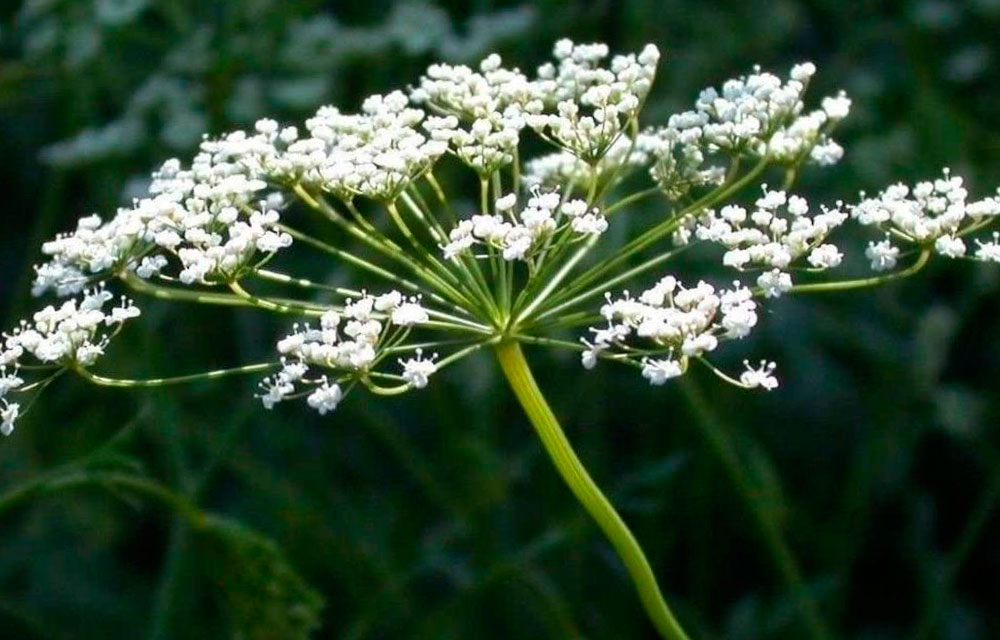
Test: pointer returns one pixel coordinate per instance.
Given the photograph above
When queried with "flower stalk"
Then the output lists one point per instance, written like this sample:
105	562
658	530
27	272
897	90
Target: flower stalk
571	469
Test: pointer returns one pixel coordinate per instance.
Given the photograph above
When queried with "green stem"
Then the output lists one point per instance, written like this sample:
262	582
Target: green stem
631	199
274	305
569	466
604	286
556	280
670	225
176	294
861	283
161	382
350	258
391	251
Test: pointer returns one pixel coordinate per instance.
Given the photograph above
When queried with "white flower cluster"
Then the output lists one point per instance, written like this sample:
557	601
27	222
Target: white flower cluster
774	235
346	342
74	334
676	322
492	102
523	232
576	104
934	212
10	382
212	219
375	154
758	115
593	104
70	334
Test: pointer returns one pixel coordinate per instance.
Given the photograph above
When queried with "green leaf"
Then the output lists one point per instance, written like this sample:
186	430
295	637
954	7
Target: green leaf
264	597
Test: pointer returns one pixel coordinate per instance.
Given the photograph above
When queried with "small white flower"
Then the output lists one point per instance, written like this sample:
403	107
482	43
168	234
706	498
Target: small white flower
574	208
123	313
416	371
8	416
589	224
506	203
774	283
388	301
293	371
659	371
275	390
325	398
9	381
950	246
837	107
987	251
803	71
825	256
10	354
151	266
882	254
409	313
762	376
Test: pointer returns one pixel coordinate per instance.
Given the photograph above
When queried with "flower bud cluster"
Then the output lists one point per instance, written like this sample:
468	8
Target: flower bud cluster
519	234
936	212
670	323
347	343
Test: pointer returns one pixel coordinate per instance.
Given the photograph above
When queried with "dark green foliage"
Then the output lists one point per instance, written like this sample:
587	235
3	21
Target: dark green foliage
265	598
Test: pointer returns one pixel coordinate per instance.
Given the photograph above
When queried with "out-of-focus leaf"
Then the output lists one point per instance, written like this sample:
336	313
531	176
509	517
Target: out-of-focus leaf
264	596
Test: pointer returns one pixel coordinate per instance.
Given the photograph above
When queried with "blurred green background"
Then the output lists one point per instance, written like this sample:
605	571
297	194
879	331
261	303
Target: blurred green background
866	486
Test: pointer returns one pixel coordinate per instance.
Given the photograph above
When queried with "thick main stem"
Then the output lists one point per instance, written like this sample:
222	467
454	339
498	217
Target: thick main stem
515	368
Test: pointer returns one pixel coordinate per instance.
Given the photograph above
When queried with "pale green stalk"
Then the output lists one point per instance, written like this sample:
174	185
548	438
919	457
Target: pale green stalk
349	258
274	276
388	275
320	204
668	226
469	274
601	288
556	280
573	472
435	265
630	199
162	382
861	283
277	307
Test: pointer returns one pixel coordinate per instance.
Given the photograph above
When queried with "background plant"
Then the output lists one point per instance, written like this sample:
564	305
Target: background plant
817	446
